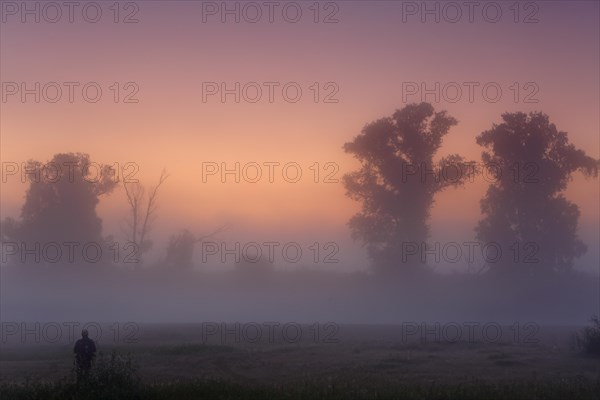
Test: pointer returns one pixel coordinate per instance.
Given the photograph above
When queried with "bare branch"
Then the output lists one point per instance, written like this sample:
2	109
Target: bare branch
213	233
151	206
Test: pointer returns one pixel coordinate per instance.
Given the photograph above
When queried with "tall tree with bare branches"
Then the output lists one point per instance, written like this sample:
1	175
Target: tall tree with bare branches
142	207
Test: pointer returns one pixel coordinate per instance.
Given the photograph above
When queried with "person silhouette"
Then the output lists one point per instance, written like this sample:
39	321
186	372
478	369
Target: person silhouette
85	351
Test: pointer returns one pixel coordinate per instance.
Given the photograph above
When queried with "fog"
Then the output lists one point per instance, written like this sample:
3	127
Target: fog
301	295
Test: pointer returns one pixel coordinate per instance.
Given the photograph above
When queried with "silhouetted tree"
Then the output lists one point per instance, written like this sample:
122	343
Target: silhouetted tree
398	181
525	214
60	208
180	250
142	213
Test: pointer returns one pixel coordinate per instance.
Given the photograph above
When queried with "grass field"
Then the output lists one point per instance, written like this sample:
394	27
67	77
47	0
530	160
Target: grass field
357	361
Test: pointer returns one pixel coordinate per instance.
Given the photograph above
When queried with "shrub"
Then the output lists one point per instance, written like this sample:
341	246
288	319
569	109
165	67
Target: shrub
588	340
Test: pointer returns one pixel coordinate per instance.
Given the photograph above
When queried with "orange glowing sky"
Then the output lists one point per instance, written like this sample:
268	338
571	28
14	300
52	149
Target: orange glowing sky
369	53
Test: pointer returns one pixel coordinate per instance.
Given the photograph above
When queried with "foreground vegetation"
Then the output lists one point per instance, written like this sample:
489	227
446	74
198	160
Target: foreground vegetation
326	389
353	369
115	377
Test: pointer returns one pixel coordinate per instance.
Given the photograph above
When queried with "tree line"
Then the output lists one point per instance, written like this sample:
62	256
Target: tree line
396	184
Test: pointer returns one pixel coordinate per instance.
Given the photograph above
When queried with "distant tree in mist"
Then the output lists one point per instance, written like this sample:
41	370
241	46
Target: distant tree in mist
60	204
524	211
180	250
397	182
142	208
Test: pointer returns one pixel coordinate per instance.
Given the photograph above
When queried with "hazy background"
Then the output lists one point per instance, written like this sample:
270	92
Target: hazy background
369	53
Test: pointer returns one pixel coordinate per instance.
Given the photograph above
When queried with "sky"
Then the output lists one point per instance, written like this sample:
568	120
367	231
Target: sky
353	62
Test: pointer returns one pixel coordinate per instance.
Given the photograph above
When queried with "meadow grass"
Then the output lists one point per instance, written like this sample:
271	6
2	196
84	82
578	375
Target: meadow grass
173	369
220	389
